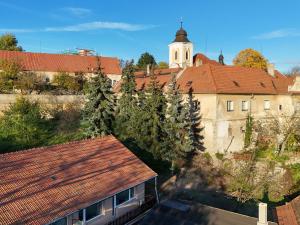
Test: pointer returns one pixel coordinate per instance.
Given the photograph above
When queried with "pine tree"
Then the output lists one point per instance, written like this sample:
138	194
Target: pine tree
127	104
154	117
194	120
177	140
98	113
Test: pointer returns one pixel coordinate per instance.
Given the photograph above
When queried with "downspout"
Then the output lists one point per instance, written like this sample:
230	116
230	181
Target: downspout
156	192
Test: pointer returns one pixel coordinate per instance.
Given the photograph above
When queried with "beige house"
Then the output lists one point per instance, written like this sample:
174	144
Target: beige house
228	94
93	181
48	65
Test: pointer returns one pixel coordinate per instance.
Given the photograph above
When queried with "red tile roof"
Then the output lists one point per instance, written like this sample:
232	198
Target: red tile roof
231	80
58	62
289	214
43	184
204	59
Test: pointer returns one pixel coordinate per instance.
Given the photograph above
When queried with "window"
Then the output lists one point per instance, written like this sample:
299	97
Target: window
280	107
245	105
266	105
230	106
298	106
124	196
176	55
187	55
93	211
131	192
62	221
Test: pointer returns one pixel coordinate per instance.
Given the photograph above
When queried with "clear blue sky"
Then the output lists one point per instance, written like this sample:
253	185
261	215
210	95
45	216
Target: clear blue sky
127	28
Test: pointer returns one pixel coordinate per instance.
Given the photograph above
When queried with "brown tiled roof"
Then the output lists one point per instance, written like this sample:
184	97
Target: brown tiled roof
43	184
59	62
204	59
289	214
210	78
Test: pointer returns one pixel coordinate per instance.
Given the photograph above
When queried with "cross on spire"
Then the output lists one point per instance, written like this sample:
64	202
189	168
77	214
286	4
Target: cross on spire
181	22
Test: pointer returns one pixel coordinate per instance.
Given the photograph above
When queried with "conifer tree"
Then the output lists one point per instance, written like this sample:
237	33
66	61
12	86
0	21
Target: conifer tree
98	113
194	120
127	104
154	117
177	141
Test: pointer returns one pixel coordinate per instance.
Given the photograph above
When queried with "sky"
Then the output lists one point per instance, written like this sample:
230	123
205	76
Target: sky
127	28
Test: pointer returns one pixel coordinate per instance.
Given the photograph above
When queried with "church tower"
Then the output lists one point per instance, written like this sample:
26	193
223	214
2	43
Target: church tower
181	50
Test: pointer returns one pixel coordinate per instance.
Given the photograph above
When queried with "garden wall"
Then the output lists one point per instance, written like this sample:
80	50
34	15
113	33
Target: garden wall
47	100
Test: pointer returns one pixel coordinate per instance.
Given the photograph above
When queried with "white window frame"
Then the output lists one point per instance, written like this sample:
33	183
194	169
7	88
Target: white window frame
245	103
267	104
230	106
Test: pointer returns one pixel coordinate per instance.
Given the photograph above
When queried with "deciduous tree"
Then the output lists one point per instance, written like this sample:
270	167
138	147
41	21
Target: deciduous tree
9	42
23	125
250	58
146	59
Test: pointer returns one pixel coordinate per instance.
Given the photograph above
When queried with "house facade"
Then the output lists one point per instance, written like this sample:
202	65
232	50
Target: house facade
228	95
94	181
49	65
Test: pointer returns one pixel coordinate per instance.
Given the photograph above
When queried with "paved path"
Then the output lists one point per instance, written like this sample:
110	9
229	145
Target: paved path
172	213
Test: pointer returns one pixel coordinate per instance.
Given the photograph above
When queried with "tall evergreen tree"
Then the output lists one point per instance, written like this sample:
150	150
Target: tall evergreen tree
194	120
154	117
177	141
98	113
127	104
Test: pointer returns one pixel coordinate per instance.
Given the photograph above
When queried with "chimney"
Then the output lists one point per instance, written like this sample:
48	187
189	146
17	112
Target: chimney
271	69
198	62
262	214
148	69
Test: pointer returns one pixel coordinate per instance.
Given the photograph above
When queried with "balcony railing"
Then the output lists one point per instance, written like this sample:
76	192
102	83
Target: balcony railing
150	201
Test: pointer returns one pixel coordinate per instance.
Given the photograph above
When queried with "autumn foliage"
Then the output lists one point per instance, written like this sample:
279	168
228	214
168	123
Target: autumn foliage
250	58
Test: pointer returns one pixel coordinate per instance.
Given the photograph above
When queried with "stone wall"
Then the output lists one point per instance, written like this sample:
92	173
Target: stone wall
47	100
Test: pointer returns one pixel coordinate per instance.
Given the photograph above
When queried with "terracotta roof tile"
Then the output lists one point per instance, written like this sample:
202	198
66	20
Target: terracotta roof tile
205	60
43	184
58	62
231	80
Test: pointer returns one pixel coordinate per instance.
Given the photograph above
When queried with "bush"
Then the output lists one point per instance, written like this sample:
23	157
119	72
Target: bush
69	83
219	156
295	171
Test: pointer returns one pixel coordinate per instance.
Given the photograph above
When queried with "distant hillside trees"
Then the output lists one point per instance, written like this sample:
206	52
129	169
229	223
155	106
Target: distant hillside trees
9	42
251	58
163	65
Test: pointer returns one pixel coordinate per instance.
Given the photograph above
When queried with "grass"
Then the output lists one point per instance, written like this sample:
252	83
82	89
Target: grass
271	155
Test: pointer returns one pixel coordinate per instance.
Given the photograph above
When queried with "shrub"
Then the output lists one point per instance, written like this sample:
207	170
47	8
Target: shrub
219	156
66	82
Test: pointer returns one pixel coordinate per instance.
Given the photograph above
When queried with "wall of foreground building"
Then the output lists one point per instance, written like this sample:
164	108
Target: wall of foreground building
107	208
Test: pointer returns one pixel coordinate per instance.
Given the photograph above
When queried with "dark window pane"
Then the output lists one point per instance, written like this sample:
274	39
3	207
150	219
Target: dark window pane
93	211
62	221
131	192
81	215
122	197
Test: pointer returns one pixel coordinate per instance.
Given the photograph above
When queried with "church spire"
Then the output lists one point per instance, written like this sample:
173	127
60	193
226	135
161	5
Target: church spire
221	58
